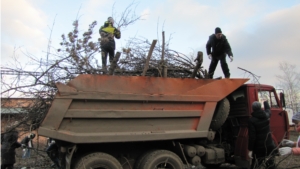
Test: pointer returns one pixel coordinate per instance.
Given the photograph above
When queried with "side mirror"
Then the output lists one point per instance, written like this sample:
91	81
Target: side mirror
282	99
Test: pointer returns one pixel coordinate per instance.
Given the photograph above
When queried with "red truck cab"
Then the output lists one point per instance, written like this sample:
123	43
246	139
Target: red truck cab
240	111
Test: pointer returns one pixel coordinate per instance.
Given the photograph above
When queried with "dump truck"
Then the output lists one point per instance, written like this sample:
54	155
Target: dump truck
142	122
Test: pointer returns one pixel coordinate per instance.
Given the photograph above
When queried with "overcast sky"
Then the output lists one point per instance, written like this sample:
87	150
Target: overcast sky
261	33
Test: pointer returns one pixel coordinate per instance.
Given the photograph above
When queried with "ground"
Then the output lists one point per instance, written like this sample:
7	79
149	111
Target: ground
289	162
39	159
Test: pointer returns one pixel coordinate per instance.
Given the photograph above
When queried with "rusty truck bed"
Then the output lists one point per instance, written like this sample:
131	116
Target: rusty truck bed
101	108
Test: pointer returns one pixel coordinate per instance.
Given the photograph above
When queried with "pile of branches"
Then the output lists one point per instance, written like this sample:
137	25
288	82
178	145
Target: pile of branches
159	62
77	56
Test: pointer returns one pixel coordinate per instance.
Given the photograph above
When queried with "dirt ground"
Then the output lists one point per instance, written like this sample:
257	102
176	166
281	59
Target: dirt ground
40	160
291	161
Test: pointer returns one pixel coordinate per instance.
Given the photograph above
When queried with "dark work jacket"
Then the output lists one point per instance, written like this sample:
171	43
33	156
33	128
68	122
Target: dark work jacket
26	141
108	34
220	47
9	143
260	136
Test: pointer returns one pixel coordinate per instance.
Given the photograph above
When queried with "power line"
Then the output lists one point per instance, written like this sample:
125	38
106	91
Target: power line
14	72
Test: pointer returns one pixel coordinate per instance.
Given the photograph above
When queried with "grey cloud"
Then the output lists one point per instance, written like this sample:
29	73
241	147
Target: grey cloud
22	26
275	40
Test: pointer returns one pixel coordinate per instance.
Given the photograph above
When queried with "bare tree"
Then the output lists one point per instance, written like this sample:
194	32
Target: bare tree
134	59
127	17
289	81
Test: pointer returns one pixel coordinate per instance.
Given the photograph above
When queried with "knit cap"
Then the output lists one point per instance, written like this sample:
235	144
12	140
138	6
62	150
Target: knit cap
218	30
256	106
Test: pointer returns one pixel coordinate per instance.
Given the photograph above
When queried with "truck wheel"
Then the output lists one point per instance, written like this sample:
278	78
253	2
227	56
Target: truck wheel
220	115
98	161
161	159
140	159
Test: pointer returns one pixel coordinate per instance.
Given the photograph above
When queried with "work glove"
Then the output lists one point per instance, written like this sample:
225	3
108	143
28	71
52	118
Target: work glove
250	154
287	143
285	151
231	58
23	146
209	56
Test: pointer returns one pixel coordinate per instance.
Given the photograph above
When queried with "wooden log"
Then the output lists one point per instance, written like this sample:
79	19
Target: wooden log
165	71
163	47
199	60
148	57
162	63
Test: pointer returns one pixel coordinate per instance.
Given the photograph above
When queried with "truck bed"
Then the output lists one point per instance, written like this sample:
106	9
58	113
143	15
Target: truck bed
102	108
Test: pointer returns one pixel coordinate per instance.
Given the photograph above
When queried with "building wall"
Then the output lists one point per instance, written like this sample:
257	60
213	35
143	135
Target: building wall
13	110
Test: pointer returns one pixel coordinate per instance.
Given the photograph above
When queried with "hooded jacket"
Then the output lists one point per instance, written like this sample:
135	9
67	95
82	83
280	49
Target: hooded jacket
260	136
220	47
9	144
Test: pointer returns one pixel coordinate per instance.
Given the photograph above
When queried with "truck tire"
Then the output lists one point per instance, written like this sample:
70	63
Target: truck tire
220	115
98	161
161	159
140	159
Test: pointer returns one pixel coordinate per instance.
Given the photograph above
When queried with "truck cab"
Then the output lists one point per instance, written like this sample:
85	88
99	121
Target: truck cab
240	111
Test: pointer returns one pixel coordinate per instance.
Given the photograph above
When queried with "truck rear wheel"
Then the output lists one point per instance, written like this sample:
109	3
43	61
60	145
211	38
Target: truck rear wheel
140	160
98	161
220	115
161	159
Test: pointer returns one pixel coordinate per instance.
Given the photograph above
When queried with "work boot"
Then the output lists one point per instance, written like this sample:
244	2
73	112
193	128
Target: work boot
211	75
227	75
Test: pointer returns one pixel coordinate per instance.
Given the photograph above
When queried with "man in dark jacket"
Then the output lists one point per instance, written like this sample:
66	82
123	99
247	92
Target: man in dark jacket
260	137
9	143
220	47
28	144
108	32
53	153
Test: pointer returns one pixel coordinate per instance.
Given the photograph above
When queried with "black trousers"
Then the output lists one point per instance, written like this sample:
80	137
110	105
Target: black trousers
52	152
104	53
213	64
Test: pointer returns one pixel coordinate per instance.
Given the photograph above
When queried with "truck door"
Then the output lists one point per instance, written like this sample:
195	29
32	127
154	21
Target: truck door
279	119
